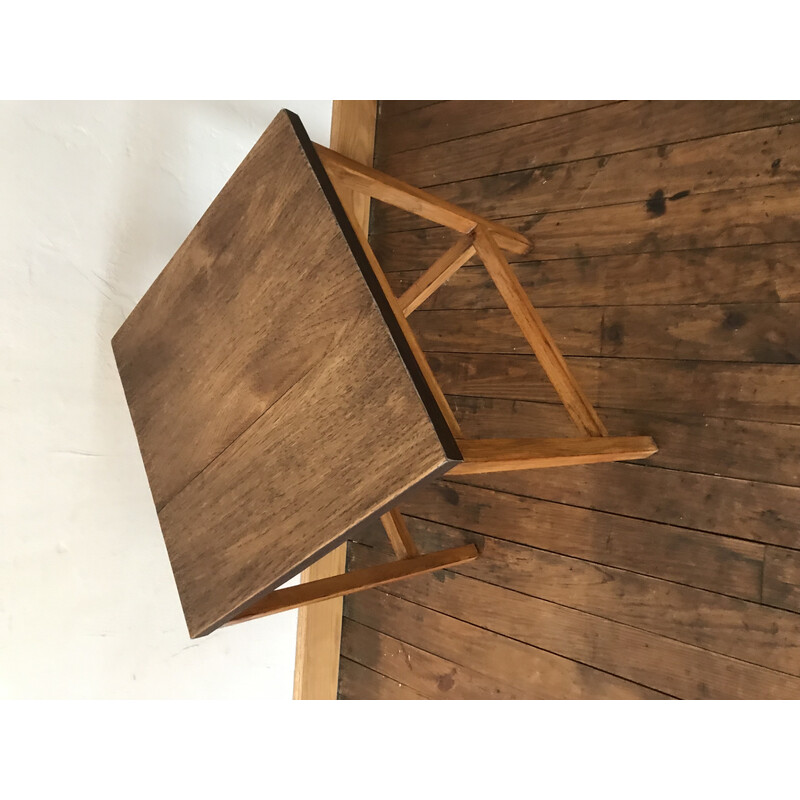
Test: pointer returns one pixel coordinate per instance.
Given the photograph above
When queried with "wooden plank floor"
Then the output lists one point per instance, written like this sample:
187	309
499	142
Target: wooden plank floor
666	262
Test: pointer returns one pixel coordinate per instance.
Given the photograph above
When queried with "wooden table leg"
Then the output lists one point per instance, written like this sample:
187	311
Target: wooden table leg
505	455
401	540
349	582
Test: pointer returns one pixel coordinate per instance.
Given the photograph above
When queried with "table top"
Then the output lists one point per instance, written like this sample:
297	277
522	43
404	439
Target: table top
276	402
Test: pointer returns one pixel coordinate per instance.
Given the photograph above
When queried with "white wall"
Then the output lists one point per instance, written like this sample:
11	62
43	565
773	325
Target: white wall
94	200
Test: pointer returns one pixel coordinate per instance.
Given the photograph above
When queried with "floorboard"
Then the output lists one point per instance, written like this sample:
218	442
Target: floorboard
431	124
357	682
593	133
535	673
748	274
763	157
640	656
434	677
760	512
719	563
743	332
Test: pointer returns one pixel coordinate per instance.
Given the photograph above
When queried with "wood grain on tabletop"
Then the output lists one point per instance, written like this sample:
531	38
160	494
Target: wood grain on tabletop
266	387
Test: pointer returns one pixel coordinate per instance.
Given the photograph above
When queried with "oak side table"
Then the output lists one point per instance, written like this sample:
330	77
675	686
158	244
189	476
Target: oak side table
280	398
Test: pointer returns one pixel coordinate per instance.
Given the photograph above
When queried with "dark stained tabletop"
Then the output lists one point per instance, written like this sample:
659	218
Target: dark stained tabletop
276	403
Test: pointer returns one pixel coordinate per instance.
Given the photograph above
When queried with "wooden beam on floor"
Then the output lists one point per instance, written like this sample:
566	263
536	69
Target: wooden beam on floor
319	626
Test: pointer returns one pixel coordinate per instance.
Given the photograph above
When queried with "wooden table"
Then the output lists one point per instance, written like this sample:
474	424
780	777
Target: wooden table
280	399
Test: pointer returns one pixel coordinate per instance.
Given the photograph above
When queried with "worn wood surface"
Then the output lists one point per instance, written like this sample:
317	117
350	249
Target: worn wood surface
782	578
637	384
666	265
243	365
440	122
361	683
592	133
721	564
539	673
735	161
750	510
390	108
748	274
636	654
755	332
425	672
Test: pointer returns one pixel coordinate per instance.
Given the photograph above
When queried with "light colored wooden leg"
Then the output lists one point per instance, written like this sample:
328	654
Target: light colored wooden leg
353	131
542	344
401	540
504	455
438	273
424	366
356	581
383	187
319	633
